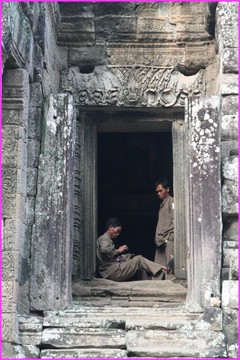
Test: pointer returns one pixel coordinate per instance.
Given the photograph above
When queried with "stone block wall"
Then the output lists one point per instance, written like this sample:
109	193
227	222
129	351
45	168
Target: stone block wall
227	45
29	73
33	61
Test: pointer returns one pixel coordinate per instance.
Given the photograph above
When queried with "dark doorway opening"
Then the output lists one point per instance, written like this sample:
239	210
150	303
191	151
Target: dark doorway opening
128	166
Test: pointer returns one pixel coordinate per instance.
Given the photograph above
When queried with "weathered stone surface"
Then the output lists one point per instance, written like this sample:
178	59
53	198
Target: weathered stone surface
36	96
127	318
31	323
230	231
34	123
14	148
17	36
230	252
187	343
16	93
77	31
54	206
10	265
32	174
14	207
229	84
11	117
83	353
31	351
230	105
30	210
164	322
18	351
203	172
9	296
13	235
23	298
115	9
79	290
161	290
233	267
84	9
229	36
29	338
33	153
84	338
133	86
230	60
94	55
230	323
230	294
212	316
10	328
10	180
227	146
185	58
230	198
227	13
229	127
230	168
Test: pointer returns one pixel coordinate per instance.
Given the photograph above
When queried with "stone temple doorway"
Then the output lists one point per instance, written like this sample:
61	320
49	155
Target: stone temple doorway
119	156
128	165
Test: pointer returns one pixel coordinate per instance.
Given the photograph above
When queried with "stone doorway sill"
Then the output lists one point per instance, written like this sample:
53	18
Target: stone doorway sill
154	293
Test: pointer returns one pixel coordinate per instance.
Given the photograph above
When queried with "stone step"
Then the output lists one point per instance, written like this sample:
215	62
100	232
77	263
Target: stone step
120	319
74	337
83	353
117	332
133	318
185	343
78	309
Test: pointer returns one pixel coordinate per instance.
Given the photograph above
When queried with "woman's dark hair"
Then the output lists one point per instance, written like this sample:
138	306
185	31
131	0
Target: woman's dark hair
163	181
114	222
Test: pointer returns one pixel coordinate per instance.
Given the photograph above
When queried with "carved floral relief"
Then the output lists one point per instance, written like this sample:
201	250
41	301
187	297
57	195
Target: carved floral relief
139	86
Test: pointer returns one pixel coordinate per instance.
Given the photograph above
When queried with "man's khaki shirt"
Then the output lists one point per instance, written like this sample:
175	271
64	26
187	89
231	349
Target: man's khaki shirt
106	256
165	225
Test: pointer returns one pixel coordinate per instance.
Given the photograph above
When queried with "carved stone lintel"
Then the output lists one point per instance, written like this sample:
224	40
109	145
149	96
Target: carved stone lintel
139	86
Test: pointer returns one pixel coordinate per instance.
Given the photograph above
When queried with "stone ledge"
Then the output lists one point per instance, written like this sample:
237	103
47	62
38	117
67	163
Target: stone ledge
167	290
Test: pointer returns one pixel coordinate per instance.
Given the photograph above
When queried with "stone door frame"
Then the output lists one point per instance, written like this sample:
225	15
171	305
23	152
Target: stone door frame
197	238
200	140
86	175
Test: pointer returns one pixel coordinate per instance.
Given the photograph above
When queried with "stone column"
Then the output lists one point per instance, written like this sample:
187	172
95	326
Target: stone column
51	252
227	14
85	217
179	186
14	170
204	224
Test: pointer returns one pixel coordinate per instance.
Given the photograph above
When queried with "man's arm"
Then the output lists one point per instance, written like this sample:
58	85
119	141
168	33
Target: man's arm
108	249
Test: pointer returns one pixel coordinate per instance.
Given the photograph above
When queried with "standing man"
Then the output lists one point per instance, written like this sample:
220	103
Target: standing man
164	237
117	264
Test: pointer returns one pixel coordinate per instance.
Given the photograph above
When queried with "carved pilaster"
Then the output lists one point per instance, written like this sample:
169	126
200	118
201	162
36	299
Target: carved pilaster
85	219
14	166
204	224
51	260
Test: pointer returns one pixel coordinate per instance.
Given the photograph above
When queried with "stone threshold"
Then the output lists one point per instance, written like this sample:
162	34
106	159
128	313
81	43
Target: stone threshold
130	293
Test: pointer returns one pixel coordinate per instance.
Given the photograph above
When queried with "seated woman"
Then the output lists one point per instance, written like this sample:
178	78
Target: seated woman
117	264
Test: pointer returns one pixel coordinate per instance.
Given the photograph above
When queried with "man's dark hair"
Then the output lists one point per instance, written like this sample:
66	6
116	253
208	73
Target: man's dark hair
114	222
162	181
